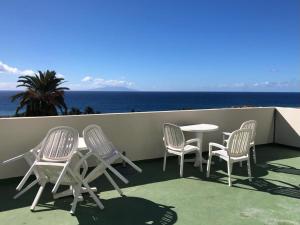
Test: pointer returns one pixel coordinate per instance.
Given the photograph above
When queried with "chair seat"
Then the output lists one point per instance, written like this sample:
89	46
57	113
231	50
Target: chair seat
189	148
186	149
224	155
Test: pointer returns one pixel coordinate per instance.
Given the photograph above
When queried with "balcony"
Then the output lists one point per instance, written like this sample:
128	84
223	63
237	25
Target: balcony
156	197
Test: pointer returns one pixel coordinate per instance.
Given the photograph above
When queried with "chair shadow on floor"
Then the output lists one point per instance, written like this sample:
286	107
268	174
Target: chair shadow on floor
120	210
274	187
259	183
281	168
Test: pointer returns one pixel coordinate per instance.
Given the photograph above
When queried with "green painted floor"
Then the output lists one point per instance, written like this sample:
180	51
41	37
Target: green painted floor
156	197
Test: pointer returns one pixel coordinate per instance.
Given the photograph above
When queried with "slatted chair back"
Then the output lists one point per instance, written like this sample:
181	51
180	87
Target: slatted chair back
239	142
59	144
96	141
251	124
173	137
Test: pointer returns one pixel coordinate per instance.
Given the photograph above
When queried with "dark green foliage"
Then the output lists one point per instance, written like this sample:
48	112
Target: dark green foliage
43	95
74	111
89	110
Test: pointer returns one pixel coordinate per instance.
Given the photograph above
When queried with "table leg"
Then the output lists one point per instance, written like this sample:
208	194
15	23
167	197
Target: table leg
196	161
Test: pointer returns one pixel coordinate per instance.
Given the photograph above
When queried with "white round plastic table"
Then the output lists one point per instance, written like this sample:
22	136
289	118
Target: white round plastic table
199	130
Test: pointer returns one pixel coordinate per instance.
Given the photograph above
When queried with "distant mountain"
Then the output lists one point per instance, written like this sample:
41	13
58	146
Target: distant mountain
112	89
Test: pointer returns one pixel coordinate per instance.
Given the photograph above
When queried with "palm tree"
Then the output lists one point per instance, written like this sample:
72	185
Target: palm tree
43	95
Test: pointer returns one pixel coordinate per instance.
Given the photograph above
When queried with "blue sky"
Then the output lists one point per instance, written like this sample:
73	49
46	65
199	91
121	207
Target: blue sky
154	45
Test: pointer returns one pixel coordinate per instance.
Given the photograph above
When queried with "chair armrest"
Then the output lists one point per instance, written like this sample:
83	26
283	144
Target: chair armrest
212	144
32	151
227	133
193	141
13	159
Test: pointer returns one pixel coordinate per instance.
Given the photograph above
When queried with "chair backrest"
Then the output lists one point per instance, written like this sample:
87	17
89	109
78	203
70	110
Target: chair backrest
173	137
59	144
250	124
96	141
239	142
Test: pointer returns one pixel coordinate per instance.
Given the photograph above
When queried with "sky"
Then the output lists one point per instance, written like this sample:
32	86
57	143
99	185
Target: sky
154	45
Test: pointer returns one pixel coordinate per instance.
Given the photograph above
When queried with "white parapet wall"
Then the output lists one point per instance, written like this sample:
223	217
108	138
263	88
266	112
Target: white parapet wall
287	125
139	134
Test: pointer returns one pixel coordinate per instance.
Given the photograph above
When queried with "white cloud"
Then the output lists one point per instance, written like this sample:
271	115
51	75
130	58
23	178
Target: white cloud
100	82
59	75
111	83
87	78
290	85
4	68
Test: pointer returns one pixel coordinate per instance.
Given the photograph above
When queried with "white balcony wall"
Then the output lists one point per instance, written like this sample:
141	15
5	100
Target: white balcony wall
287	124
139	134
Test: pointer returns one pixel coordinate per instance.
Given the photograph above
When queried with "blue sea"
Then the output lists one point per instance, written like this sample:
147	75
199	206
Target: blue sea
112	102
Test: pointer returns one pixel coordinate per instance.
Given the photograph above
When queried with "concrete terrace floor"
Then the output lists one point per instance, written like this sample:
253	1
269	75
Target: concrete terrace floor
156	197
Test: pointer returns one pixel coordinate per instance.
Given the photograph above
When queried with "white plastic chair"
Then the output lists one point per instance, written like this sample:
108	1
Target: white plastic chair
106	154
237	150
29	157
59	163
175	144
251	124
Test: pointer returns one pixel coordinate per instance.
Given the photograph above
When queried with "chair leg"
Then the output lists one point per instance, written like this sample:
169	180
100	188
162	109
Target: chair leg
26	189
76	193
113	182
59	179
200	161
249	169
92	194
254	154
131	163
165	161
63	193
25	178
241	164
229	170
120	176
88	189
181	165
208	166
38	195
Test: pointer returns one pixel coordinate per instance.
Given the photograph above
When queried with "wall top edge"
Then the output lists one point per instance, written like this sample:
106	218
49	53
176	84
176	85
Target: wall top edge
132	113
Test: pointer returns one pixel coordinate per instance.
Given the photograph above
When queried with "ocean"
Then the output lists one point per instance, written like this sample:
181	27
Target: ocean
113	102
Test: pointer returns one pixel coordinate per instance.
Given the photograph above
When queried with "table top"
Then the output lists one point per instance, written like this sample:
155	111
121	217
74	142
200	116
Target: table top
200	128
81	144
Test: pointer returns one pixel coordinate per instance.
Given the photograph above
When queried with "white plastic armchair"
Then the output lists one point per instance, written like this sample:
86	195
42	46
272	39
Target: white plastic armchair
29	157
59	163
237	150
106	154
250	124
176	144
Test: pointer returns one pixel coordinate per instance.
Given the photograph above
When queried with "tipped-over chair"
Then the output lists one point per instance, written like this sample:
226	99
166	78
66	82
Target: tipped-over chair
59	163
175	144
29	157
106	154
236	150
250	124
